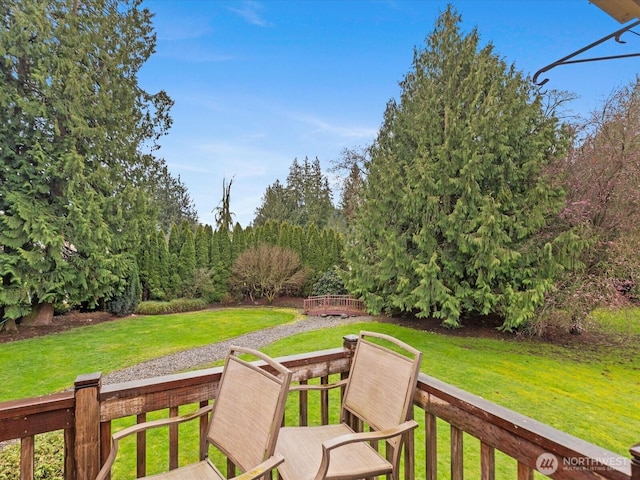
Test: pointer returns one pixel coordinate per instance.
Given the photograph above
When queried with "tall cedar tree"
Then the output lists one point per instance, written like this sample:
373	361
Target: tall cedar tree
304	200
72	122
349	168
275	205
455	197
350	200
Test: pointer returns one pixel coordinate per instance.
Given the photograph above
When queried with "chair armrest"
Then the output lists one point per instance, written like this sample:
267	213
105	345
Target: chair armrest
141	427
259	471
368	436
329	386
349	438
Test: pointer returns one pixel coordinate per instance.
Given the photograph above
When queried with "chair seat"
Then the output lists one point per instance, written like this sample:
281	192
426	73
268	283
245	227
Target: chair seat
302	449
203	470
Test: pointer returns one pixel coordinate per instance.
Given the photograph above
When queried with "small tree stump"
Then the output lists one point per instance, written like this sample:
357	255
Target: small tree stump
42	314
9	326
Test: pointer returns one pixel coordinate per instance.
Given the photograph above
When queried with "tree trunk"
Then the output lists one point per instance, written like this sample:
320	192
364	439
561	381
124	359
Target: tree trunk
9	326
42	314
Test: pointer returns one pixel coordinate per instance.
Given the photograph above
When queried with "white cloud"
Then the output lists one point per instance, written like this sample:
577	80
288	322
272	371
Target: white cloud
251	12
187	167
186	28
240	160
322	126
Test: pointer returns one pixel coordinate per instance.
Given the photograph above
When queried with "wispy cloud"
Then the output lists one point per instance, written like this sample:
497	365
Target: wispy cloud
187	167
238	159
186	28
251	11
319	125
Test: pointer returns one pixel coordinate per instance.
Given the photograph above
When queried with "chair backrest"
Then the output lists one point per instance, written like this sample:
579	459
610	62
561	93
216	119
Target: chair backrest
382	381
249	408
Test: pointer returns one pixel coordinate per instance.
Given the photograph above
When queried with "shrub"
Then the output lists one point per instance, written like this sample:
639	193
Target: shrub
126	302
329	283
267	271
49	455
202	286
174	306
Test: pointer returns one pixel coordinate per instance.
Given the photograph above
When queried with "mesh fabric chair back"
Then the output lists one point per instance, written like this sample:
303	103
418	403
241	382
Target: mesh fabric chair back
381	382
243	424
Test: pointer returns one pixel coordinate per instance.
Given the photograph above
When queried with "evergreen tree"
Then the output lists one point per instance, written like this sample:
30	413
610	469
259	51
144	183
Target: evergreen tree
73	124
298	241
250	236
309	194
125	302
187	261
331	246
214	249
239	243
275	205
171	197
305	199
161	288
270	232
224	261
313	251
202	242
351	193
456	197
176	239
146	265
285	239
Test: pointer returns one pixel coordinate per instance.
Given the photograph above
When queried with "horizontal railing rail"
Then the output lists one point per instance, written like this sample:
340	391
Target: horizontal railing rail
22	420
85	417
533	445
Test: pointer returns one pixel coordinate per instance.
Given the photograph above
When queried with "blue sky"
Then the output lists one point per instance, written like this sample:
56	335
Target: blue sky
257	84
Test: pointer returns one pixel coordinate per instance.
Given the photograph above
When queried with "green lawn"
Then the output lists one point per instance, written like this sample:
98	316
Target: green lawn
48	364
591	393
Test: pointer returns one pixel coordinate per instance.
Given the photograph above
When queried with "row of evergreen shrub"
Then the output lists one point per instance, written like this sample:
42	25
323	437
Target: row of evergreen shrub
177	305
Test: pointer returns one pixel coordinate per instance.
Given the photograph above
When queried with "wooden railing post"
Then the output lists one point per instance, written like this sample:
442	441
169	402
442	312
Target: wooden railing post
635	462
87	426
349	342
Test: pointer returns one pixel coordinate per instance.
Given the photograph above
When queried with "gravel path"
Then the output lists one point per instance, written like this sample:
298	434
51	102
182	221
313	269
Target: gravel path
196	357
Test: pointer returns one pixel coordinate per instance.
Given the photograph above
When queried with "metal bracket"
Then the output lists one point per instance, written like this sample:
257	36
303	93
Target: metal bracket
566	60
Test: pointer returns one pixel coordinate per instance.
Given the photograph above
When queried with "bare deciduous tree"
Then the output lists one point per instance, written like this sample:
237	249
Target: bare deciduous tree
267	271
603	172
601	175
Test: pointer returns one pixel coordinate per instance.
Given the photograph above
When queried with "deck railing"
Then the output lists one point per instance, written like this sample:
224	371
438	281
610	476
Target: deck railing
333	305
85	417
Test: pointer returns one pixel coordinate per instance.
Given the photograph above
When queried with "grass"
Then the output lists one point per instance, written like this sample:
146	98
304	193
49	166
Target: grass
592	396
590	393
618	322
48	364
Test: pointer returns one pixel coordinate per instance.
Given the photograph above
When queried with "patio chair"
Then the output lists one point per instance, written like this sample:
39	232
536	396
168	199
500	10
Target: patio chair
245	420
378	395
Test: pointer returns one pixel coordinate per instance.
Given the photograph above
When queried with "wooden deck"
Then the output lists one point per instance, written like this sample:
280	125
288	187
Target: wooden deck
85	417
333	305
